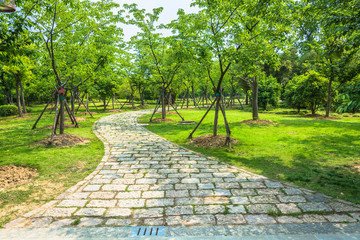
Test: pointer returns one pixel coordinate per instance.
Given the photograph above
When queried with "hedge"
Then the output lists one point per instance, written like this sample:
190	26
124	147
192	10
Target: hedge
8	110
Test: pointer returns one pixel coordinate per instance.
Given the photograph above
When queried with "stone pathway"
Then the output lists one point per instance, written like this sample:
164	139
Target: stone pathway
144	179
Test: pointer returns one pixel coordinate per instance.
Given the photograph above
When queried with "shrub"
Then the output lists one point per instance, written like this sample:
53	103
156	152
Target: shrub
8	110
269	92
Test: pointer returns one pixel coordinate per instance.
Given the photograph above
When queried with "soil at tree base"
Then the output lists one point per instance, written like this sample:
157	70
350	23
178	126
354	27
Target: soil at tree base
163	120
86	113
65	125
63	140
11	175
78	119
265	122
211	141
114	110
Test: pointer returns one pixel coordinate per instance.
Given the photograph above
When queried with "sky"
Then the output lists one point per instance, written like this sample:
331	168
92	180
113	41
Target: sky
168	14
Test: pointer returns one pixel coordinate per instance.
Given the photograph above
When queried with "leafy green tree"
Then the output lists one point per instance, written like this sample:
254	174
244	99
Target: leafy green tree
307	90
269	92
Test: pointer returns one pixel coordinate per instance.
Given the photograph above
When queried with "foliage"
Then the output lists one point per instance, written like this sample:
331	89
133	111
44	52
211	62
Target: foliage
350	99
8	110
307	90
269	92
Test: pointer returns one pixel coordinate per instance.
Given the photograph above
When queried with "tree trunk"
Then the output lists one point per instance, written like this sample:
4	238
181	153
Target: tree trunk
187	98
113	101
72	102
255	105
216	116
18	101
246	98
22	96
141	96
163	105
62	115
193	95
328	103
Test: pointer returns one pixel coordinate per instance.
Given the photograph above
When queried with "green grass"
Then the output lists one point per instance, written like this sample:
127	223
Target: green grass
58	168
313	153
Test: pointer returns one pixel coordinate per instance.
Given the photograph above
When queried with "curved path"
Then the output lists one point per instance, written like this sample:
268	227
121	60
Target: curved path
144	179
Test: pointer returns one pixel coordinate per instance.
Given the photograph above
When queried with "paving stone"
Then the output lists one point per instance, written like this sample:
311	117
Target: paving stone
216	200
252	185
356	216
261	208
168	181
161	202
89	222
211	180
198	220
315	198
269	191
259	219
102	195
179	210
312	218
239	200
78	196
236	208
188	186
222	192
59	212
118	212
243	192
206	186
224	175
72	203
230	219
102	203
291	198
118	222
124	181
146	181
90	212
287	208
236	179
100	181
288	219
148	213
190	180
292	191
142	187
162	187
189	201
340	218
153	194
209	209
227	185
154	222
201	193
62	223
113	187
131	203
271	184
263	199
342	207
125	195
40	222
92	188
176	193
314	207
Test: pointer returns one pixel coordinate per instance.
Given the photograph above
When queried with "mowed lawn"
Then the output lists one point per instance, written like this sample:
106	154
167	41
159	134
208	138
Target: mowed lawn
58	168
322	155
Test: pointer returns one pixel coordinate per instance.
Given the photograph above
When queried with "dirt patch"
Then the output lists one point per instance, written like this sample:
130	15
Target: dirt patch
65	125
357	167
86	113
11	175
318	116
114	110
78	119
63	140
211	141
171	113
162	120
264	122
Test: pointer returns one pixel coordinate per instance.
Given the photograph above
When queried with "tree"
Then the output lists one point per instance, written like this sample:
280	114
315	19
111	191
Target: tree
307	90
269	92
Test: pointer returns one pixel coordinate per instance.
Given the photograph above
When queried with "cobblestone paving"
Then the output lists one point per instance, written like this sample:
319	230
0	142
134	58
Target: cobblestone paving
144	179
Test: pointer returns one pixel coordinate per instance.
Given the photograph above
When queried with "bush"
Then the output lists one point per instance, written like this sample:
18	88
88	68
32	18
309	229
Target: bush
8	110
269	92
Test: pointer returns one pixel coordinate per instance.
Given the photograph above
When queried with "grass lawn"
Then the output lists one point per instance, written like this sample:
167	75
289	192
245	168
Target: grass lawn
58	168
318	154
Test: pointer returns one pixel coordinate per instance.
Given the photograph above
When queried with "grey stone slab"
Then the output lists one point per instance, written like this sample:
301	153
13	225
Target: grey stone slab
90	212
216	200
176	193
81	195
288	219
314	207
131	203
72	203
236	208
222	192
209	209
342	207
40	222
259	219
92	188
126	195
148	213
261	208
189	201
206	186
179	210
118	212
252	185
291	198
341	218
102	203
102	195
61	223
243	192
161	202
230	219
316	198
153	194
263	199
292	191
198	220
287	208
201	193
59	212
90	222
118	222
312	218
239	200
271	184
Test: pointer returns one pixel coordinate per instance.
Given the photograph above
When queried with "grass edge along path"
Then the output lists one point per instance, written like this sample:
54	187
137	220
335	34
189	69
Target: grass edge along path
317	154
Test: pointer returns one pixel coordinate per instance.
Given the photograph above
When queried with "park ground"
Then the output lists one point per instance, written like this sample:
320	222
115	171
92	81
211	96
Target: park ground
318	154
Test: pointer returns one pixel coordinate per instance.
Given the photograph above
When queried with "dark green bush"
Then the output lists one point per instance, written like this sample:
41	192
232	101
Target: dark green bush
8	110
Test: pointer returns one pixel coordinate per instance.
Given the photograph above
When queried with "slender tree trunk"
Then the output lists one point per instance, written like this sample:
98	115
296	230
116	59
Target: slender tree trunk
113	101
163	106
187	98
18	101
72	102
255	105
329	97
62	114
104	100
216	116
22	96
247	98
141	96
